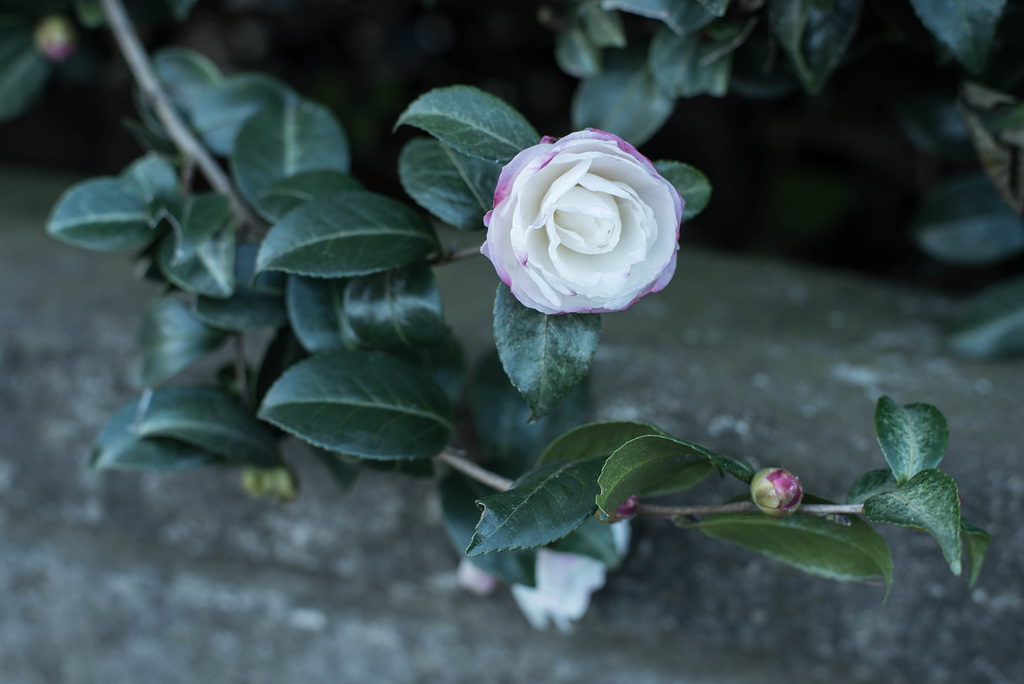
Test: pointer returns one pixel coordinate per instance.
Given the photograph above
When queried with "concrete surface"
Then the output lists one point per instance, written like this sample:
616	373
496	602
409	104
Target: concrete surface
127	577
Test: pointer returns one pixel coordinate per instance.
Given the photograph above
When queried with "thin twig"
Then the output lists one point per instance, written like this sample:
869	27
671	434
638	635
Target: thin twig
471	469
142	69
502	484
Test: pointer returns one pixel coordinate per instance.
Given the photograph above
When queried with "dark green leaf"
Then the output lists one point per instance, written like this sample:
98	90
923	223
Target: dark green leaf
283	140
199	254
258	301
89	13
500	414
220	111
121	447
928	501
604	27
288	193
964	222
149	140
102	214
152	178
472	121
716	7
596	439
316	311
453	187
933	124
688	65
185	75
458	494
870	484
544	356
395	309
809	543
366	405
975	544
207	419
593	539
23	70
966	27
659	464
542	506
352	233
283	352
624	100
576	55
690	183
815	35
913	437
172	340
445	362
993	324
180	8
682	16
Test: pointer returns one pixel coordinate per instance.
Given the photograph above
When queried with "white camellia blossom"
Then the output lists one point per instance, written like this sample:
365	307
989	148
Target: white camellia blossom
583	224
565	583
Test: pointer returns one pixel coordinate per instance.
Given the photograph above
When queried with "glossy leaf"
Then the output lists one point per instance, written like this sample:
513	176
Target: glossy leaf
101	214
471	121
342	471
576	55
928	501
807	542
603	27
286	194
544	356
172	339
453	187
283	140
975	545
199	254
149	140
458	494
352	233
500	414
815	35
283	352
185	75
688	65
993	324
23	70
593	539
964	222
444	362
258	300
400	308
207	419
716	7
596	439
219	112
682	16
152	178
120	447
690	183
871	484
966	27
316	312
912	437
366	405
624	100
659	464
542	506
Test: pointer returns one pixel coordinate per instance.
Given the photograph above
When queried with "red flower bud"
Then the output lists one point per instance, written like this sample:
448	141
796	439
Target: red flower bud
776	492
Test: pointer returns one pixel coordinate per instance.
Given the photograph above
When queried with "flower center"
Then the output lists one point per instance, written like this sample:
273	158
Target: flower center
586	222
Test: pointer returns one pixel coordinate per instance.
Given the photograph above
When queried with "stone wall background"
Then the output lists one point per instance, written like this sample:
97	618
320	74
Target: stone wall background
126	577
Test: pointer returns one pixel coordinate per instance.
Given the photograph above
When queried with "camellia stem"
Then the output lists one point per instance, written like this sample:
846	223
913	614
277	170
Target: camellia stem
467	467
194	152
457	255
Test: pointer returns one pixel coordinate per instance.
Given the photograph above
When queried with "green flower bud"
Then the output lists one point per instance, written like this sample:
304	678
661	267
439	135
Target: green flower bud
55	37
776	492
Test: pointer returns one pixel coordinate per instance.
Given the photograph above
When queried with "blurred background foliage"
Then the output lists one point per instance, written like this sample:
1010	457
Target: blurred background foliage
839	132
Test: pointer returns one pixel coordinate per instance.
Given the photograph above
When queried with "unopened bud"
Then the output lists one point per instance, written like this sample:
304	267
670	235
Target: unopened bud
625	511
271	483
776	492
55	37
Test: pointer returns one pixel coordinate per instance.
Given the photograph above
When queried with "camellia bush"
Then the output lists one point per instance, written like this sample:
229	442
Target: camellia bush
243	208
